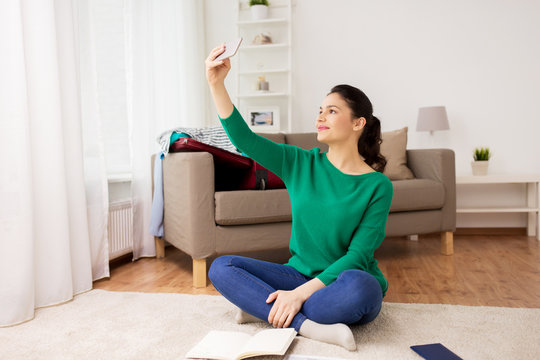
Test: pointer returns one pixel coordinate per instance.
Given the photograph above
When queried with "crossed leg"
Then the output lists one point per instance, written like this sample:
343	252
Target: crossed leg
354	298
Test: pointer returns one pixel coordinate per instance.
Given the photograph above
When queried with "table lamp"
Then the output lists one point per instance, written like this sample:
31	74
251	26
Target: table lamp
432	118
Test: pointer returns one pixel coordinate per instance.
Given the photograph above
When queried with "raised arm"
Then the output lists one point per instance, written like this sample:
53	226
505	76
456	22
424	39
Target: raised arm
216	72
266	152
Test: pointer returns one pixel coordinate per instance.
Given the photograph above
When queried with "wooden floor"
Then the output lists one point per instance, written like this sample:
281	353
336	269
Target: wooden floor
492	270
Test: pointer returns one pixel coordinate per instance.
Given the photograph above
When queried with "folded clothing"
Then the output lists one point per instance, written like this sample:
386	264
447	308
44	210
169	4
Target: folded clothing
177	135
232	171
215	136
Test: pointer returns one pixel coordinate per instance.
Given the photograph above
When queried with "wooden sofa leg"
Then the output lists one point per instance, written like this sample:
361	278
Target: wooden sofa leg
160	247
199	273
447	243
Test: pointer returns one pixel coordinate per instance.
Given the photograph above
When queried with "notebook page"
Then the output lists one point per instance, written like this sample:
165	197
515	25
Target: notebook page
219	345
271	341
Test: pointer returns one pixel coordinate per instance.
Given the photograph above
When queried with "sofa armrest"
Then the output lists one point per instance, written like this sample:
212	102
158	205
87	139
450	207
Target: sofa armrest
438	165
189	205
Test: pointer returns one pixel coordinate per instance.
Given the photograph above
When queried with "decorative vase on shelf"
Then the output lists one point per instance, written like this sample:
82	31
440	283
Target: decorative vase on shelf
259	9
481	161
262	39
479	167
262	84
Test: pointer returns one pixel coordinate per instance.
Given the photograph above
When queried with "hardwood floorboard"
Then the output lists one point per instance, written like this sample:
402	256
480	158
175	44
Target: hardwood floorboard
489	270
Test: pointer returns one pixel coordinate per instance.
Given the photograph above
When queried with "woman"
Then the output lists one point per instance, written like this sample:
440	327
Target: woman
340	202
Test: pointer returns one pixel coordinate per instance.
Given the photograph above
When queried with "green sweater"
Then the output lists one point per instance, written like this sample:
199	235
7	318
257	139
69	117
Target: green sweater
338	220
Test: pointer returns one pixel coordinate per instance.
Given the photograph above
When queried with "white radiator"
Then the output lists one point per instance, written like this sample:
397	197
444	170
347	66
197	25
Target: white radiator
120	229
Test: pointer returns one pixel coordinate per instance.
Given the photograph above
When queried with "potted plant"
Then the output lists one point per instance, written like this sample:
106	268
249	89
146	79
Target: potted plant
481	158
259	9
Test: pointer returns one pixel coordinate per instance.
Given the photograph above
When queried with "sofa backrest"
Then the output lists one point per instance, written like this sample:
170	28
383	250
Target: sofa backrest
305	141
275	137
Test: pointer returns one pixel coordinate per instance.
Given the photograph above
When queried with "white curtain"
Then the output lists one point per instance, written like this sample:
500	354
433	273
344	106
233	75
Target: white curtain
53	206
166	89
53	181
95	169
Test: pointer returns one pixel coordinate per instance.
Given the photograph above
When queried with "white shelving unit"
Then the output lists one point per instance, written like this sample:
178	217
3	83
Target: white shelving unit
273	61
532	207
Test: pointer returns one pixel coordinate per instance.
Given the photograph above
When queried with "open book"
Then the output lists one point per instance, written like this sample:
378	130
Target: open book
232	345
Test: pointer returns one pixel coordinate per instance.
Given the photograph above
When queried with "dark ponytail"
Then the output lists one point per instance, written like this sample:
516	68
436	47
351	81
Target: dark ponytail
369	144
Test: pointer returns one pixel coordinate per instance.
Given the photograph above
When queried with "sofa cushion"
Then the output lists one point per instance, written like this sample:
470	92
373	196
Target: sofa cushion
417	194
252	207
394	149
257	207
275	137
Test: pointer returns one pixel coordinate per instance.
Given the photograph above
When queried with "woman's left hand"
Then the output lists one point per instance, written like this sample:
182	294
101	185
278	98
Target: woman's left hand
287	304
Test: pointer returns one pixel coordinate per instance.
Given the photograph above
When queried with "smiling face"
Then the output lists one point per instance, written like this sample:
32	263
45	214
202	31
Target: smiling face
336	122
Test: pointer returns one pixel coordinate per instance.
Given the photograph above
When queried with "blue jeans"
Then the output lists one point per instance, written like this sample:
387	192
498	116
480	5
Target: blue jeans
354	298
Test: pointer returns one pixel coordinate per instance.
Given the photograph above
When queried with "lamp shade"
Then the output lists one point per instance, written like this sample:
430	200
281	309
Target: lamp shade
432	118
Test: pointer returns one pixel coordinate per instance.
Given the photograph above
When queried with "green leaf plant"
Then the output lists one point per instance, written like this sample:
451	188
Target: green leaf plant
481	154
258	2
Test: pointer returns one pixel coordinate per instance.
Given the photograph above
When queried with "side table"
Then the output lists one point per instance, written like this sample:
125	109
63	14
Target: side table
532	208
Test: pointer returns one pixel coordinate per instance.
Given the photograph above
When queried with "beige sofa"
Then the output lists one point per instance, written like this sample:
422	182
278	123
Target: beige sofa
202	222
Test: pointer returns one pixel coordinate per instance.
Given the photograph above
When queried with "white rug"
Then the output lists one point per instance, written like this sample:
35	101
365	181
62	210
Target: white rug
125	325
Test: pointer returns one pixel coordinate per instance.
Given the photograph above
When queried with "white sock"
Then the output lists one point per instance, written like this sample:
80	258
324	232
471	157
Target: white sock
337	334
243	317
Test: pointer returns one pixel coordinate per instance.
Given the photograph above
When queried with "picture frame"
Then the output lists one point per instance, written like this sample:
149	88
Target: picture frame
263	118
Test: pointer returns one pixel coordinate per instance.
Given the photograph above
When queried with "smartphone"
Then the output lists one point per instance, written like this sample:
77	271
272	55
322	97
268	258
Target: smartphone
231	47
435	352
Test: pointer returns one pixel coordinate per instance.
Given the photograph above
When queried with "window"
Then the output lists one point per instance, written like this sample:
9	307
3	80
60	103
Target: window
108	23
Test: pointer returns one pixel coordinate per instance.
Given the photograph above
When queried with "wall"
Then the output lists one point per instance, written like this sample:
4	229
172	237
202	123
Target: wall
478	58
220	23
